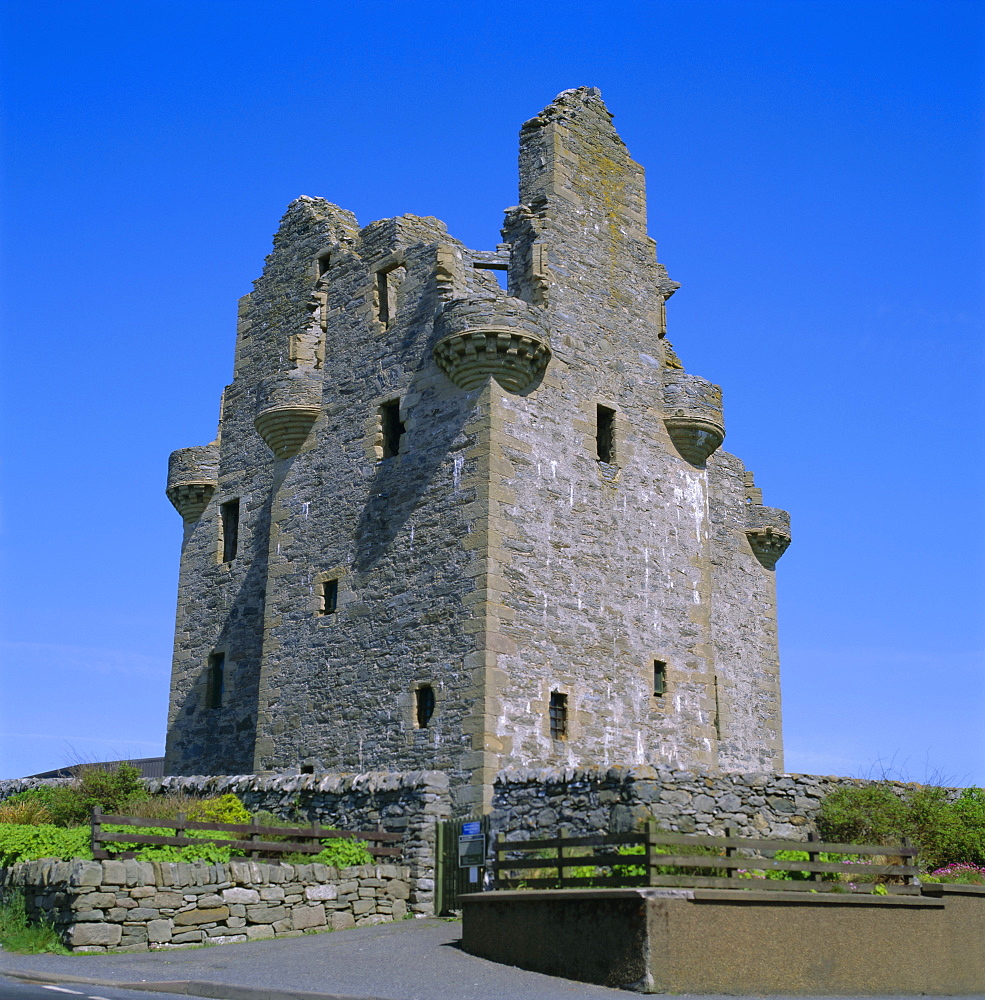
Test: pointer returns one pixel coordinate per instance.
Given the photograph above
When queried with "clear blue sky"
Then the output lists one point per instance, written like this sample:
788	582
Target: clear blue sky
815	182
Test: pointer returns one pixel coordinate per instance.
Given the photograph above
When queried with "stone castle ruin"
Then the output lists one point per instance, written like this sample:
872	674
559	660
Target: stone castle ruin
452	527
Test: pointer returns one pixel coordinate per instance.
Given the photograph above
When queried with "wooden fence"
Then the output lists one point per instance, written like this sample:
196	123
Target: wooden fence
727	862
247	837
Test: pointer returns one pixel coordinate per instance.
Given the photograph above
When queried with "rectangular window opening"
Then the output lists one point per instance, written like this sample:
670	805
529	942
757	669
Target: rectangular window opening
307	768
605	436
392	427
500	272
329	597
216	681
659	678
324	262
423	705
230	529
559	715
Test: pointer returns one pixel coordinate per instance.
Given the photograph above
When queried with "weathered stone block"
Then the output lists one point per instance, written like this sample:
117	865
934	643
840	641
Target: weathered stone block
83	935
264	914
321	892
188	937
159	931
201	916
308	916
259	932
114	873
240	895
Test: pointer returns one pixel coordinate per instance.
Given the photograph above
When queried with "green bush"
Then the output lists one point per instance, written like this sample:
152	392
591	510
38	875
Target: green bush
224	809
946	831
21	935
863	814
339	852
69	805
27	842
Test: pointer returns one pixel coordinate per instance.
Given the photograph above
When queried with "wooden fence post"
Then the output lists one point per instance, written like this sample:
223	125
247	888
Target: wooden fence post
97	829
813	856
254	838
910	862
730	852
649	839
560	857
499	855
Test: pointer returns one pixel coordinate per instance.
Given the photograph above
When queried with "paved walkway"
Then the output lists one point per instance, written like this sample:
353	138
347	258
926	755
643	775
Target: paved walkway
407	960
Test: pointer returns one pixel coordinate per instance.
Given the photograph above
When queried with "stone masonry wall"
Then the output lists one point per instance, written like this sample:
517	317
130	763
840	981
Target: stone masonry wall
409	804
142	905
533	802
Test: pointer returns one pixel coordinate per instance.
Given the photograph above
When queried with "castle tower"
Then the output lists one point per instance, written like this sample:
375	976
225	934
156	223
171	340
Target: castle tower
449	526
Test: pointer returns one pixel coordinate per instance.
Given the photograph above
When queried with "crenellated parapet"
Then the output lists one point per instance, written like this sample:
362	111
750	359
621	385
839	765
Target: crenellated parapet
693	415
492	337
193	475
768	531
287	407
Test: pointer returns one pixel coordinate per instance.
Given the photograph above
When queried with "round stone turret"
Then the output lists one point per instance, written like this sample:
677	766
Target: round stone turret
287	407
496	337
768	531
693	415
193	475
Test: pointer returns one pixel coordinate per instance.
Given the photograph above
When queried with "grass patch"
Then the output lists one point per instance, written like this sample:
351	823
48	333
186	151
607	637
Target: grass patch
22	936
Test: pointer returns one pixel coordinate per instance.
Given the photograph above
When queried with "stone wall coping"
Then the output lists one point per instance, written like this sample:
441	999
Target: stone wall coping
558	775
436	782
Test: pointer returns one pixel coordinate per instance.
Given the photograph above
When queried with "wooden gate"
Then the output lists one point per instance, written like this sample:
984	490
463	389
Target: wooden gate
457	841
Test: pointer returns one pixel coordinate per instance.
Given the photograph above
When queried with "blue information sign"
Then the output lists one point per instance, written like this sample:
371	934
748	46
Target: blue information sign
471	829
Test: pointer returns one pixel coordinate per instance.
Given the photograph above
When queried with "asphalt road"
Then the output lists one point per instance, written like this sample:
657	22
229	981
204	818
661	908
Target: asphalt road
407	960
11	990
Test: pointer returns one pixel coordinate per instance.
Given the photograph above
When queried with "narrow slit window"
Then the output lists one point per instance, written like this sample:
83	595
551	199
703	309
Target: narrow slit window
605	434
216	681
558	712
392	427
324	262
329	597
659	678
387	283
424	707
230	529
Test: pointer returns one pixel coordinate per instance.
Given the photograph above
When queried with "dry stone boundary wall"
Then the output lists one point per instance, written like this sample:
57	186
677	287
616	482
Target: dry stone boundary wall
620	799
526	803
141	905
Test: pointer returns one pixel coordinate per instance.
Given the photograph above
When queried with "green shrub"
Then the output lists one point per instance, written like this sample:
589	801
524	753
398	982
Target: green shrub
19	934
27	842
224	809
69	805
31	810
863	814
946	831
339	852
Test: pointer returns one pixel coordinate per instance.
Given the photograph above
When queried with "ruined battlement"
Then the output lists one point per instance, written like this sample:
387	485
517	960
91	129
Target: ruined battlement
447	525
